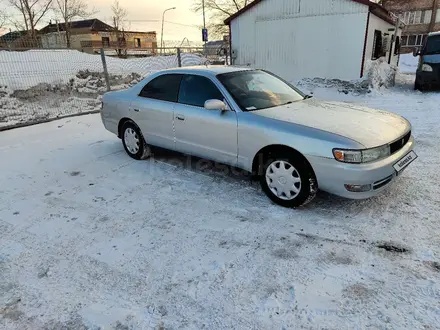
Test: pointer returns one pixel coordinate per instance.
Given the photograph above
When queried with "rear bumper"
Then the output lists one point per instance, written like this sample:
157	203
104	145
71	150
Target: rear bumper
333	175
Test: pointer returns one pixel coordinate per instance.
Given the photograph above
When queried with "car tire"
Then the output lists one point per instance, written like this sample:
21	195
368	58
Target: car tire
134	142
418	86
288	181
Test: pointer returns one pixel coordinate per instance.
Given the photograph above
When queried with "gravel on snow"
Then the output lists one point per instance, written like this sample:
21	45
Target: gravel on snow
91	239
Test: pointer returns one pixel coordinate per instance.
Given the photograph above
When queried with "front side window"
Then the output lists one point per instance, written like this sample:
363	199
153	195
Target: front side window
165	88
196	90
255	90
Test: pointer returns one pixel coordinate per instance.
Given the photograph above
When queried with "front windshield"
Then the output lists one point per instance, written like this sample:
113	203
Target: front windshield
255	90
432	45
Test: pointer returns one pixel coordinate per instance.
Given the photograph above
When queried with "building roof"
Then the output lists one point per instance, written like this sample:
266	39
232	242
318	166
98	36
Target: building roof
93	24
375	8
12	36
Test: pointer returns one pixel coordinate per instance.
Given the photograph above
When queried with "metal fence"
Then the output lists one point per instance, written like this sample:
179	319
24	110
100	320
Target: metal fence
38	85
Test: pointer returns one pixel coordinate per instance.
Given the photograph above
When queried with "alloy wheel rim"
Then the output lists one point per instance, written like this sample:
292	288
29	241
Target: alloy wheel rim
283	180
131	139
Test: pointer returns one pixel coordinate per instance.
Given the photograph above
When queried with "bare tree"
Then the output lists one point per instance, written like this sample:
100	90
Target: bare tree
2	19
119	21
70	9
32	11
217	11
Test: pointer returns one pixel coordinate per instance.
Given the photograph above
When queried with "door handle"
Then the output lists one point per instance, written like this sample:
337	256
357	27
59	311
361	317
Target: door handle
180	117
136	110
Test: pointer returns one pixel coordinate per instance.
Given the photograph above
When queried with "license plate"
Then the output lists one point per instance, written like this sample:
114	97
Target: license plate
405	161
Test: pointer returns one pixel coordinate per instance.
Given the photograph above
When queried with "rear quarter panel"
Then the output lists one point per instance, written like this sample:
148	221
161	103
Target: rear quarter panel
116	105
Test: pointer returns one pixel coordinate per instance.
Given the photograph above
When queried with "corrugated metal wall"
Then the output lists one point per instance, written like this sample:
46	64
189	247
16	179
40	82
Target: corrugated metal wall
302	38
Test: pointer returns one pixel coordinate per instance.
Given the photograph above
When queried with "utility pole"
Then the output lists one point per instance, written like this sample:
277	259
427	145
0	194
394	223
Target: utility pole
161	35
204	26
394	39
434	15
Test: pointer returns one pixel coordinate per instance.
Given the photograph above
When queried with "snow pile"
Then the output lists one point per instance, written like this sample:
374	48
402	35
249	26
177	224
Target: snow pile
355	87
408	63
380	73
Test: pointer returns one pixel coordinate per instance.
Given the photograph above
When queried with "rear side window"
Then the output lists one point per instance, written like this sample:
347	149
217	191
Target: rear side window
196	90
165	88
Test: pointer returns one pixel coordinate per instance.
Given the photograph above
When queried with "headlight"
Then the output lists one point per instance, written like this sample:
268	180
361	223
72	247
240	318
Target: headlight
370	155
426	68
361	156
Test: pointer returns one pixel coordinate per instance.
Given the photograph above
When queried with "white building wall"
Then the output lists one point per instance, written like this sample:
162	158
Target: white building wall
297	39
378	24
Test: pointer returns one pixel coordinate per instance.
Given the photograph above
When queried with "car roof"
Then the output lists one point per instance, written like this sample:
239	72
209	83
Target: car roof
434	33
206	69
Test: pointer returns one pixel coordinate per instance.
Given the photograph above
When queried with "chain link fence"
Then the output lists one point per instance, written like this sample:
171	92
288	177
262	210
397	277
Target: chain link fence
38	85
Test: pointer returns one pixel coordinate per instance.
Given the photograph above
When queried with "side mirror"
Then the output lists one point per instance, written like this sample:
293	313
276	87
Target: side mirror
215	105
416	52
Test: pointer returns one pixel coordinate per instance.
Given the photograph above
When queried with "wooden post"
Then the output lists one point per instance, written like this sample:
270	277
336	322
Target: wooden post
104	64
179	57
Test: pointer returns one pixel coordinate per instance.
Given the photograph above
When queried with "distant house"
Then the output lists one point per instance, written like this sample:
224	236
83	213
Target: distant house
18	39
420	18
92	34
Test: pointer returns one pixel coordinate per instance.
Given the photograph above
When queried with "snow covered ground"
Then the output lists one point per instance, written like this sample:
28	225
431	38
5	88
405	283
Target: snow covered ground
91	239
408	63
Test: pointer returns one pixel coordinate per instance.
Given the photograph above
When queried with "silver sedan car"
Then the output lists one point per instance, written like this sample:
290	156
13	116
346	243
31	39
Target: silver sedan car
253	120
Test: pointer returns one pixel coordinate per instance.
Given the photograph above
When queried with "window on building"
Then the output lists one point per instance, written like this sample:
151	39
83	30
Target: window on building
428	16
137	42
437	20
413	40
413	17
404	40
165	88
377	45
105	42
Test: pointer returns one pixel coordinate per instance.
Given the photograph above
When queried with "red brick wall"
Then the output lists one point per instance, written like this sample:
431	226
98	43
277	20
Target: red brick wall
407	5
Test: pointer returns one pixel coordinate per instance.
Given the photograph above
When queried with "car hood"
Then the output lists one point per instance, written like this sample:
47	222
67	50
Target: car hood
369	127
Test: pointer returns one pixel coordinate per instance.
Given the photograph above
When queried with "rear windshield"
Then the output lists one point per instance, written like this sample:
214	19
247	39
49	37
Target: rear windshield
432	45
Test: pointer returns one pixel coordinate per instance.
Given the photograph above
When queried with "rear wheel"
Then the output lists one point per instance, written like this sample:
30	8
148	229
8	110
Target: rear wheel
133	141
288	181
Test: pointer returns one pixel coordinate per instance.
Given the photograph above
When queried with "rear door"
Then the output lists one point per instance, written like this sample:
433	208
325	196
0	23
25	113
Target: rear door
152	110
210	134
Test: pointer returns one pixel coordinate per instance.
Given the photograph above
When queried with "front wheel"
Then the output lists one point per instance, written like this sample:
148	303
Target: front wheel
288	181
133	141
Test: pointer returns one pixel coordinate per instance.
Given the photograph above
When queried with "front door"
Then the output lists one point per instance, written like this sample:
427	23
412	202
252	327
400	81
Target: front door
210	134
153	110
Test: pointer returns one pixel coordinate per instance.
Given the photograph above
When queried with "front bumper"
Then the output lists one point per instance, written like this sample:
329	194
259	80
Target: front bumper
428	79
333	175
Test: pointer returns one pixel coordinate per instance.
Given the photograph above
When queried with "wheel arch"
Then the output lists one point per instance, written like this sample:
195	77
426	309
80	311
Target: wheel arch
122	123
262	155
